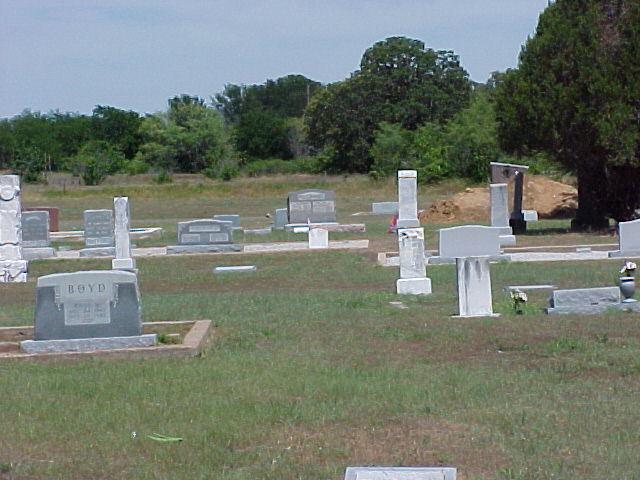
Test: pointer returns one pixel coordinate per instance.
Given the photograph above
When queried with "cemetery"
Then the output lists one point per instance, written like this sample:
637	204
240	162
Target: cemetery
433	347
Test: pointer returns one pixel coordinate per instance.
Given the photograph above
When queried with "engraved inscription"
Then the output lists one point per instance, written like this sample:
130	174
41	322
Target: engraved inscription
190	238
204	228
311	196
326	206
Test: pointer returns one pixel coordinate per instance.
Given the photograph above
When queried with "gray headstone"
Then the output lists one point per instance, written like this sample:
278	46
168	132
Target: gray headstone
281	218
474	287
35	229
384	208
205	232
123	259
469	241
580	297
13	267
408	199
628	239
400	473
499	195
98	228
89	304
315	206
234	219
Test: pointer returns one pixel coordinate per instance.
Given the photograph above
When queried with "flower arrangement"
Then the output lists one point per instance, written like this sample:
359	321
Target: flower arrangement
628	269
518	298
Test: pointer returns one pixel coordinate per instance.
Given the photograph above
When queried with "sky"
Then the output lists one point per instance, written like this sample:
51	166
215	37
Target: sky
72	55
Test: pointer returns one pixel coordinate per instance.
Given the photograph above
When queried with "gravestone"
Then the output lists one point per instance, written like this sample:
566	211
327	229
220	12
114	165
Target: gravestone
628	240
413	271
85	311
124	259
35	235
407	199
400	473
318	237
503	173
588	301
311	206
281	218
384	208
234	219
469	241
54	216
204	236
499	196
99	239
13	266
474	287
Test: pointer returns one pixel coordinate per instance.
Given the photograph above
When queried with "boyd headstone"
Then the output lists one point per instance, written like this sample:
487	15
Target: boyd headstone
205	235
407	199
413	270
628	240
13	266
314	206
123	258
400	473
89	310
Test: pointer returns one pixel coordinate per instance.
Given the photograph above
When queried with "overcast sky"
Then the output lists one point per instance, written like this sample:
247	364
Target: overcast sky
135	54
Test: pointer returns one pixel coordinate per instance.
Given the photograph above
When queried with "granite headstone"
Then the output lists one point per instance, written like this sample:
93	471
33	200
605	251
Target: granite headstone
628	239
314	206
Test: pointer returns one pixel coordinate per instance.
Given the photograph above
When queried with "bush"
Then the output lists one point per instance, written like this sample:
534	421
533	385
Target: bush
95	160
163	176
391	149
277	166
136	167
28	162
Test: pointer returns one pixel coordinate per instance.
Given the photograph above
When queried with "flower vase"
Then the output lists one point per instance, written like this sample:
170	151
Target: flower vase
628	288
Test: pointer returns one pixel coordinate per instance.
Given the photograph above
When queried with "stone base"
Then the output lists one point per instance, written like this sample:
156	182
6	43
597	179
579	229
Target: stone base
35	253
236	268
593	309
507	240
98	252
177	249
413	223
437	260
484	315
504	230
413	286
257	231
13	271
87	344
127	264
628	254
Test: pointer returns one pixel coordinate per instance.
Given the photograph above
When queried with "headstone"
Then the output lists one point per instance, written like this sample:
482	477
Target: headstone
628	239
504	172
35	229
588	301
124	259
281	218
499	196
54	216
234	219
90	304
469	241
400	473
413	271
530	215
318	237
204	236
98	228
314	206
407	199
474	287
384	208
13	267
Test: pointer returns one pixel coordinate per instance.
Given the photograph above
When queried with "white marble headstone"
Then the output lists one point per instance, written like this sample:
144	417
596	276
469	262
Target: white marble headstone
408	199
469	241
474	287
123	259
13	267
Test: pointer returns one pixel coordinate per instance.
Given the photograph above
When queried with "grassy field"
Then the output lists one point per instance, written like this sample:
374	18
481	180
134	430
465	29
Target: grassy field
312	369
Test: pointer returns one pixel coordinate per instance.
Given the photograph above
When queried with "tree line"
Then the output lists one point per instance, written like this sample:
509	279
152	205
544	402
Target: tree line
572	102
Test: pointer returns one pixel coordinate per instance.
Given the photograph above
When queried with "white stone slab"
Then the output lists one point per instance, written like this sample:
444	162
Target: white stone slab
235	268
318	237
628	239
499	196
124	260
400	473
474	287
88	344
530	215
408	199
413	286
469	241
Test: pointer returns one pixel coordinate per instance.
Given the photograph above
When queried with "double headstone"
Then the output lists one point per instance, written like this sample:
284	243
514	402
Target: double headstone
413	272
13	266
123	258
400	473
628	240
99	239
311	206
36	242
204	236
84	311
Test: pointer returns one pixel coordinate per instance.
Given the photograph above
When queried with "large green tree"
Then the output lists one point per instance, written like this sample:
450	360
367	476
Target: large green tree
400	81
576	96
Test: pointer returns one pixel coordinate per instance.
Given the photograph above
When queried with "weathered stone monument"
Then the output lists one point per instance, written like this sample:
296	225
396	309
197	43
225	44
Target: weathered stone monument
499	199
311	206
400	473
503	173
204	236
474	287
54	216
628	240
36	242
13	266
318	237
413	271
85	311
123	258
280	218
99	237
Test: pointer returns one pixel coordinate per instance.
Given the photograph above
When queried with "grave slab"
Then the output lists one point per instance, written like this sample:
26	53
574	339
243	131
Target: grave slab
195	249
38	253
400	473
588	301
88	344
235	268
384	208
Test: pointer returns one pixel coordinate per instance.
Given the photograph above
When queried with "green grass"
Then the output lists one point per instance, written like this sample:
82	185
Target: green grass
311	369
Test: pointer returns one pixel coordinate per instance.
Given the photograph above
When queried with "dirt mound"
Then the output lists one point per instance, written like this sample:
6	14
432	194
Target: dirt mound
549	198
